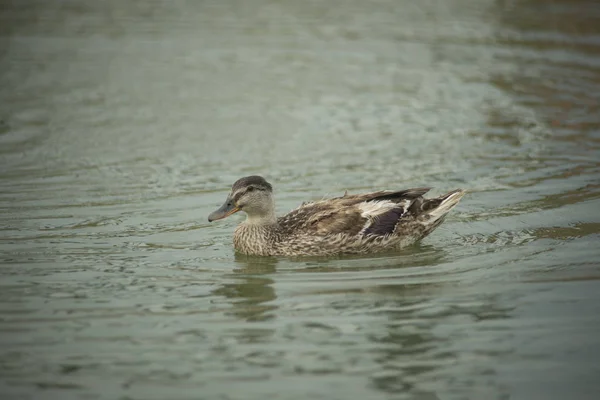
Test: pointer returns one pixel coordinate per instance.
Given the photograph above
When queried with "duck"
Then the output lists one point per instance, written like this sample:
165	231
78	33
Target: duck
365	223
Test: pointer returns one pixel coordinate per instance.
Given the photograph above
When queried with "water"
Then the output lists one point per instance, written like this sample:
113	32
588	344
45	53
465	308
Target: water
123	125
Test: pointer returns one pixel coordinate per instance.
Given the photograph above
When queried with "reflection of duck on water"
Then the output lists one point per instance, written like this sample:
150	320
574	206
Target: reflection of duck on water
351	224
250	289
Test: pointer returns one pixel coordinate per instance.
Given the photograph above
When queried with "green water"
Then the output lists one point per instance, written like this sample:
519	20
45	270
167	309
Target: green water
123	124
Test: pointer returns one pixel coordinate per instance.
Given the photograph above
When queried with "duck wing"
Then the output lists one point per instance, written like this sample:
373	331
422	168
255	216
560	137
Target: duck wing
374	213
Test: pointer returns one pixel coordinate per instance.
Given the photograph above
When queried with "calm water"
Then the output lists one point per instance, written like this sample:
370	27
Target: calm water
122	126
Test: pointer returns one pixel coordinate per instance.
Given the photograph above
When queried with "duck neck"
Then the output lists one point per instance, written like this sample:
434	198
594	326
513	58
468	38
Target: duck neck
268	219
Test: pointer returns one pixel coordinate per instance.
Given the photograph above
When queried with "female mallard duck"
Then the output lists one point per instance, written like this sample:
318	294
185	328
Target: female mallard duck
351	224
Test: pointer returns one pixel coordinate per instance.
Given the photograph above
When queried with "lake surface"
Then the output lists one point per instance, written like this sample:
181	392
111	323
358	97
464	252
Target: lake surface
123	125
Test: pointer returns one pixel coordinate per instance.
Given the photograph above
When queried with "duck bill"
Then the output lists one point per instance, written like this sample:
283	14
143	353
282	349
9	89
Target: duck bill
223	212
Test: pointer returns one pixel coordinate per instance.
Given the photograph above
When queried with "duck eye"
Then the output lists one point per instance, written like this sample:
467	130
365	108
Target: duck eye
251	189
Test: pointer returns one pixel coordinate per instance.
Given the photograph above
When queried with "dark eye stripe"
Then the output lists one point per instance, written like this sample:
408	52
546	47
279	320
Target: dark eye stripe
240	193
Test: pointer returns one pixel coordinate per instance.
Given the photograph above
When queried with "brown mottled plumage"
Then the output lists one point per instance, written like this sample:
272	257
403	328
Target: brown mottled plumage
351	224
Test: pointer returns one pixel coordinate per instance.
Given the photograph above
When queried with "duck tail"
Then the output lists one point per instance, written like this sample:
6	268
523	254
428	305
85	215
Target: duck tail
432	212
437	208
429	213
